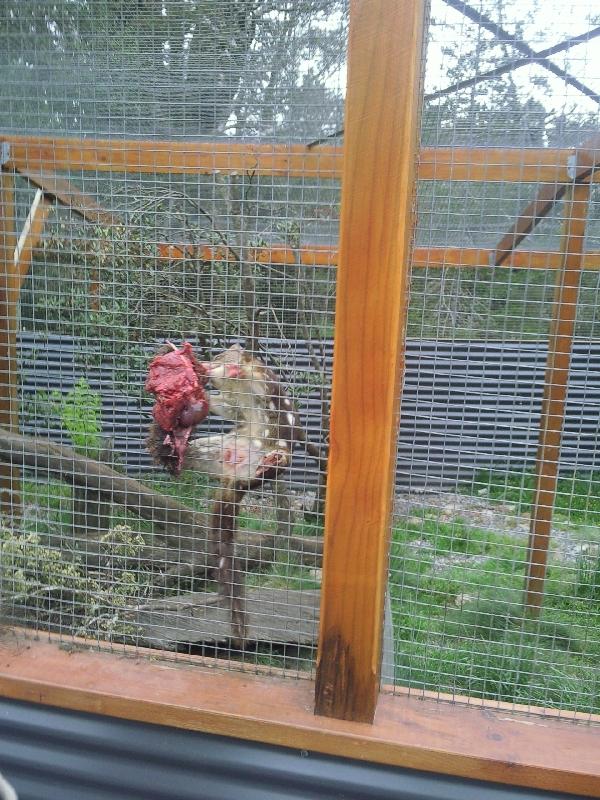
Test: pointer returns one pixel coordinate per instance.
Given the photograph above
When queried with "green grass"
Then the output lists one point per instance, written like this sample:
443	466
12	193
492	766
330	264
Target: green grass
577	496
460	627
456	595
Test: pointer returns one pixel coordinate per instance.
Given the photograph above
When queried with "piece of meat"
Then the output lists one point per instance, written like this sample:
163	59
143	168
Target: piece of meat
177	380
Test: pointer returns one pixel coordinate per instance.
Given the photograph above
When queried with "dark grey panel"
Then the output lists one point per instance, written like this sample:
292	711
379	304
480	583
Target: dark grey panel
51	754
466	405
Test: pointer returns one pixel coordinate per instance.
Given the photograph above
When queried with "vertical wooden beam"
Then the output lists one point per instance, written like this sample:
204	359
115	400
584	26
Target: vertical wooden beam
560	345
380	154
9	292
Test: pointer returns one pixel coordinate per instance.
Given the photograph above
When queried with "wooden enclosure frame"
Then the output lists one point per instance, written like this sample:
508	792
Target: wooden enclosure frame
349	716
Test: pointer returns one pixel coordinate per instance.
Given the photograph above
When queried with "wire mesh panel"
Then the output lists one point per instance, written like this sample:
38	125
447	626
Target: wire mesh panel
495	545
178	204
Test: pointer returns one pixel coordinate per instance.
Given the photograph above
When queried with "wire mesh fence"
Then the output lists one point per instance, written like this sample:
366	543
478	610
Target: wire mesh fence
473	561
141	243
195	199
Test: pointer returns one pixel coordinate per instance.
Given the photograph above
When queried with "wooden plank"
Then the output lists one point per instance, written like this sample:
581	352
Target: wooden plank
9	292
560	345
41	153
534	212
274	615
409	732
30	236
529	165
384	60
314	255
581	166
482	257
67	194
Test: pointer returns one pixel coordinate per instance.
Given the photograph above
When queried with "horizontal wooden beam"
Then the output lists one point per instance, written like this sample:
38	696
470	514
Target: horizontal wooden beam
482	257
49	154
582	165
408	732
499	164
171	157
314	255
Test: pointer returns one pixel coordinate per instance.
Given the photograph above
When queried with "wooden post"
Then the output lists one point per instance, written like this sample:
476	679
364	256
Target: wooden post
556	381
9	283
380	154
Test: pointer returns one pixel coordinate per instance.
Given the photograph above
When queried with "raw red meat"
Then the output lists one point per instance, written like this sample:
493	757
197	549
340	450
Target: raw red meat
177	380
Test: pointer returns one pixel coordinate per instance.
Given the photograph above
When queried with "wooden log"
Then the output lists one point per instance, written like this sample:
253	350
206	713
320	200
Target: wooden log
274	615
384	61
91	507
183	528
9	293
556	382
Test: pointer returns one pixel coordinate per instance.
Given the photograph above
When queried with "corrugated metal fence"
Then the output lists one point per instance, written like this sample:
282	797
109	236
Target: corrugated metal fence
467	405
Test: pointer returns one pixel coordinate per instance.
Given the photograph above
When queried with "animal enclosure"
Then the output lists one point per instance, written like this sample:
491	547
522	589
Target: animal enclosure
300	343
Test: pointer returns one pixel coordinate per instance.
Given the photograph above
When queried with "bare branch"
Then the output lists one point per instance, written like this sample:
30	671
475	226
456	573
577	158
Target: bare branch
522	47
516	63
530	57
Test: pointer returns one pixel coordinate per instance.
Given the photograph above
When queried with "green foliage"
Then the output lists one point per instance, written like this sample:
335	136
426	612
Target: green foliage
80	414
459	622
577	495
78	411
50	587
588	575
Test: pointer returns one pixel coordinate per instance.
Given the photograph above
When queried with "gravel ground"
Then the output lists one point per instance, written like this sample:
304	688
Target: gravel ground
568	541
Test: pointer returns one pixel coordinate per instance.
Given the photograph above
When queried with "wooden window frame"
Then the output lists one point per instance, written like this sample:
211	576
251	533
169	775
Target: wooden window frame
471	739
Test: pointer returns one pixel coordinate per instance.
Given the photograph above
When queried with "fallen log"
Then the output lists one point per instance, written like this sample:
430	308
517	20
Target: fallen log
183	528
184	531
274	615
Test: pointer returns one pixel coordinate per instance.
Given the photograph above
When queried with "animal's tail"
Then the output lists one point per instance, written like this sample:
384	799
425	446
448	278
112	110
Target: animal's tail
223	524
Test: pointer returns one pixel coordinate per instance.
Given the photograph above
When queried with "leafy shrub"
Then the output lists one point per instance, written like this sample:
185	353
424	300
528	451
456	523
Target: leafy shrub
40	583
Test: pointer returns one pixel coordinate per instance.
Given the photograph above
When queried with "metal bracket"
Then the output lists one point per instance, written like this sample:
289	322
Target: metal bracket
572	166
4	153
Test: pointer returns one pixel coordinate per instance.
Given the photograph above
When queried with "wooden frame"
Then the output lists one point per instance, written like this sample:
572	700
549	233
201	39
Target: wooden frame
401	730
39	154
9	295
384	60
556	383
411	732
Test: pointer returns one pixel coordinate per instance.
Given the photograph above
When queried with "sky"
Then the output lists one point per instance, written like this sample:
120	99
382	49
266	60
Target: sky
541	23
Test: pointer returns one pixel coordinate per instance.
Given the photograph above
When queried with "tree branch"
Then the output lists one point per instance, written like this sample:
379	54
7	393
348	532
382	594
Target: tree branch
182	527
521	46
516	63
530	57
